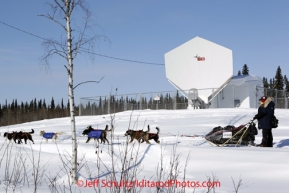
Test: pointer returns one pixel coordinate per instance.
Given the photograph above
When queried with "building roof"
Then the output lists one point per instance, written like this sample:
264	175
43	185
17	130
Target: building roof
241	79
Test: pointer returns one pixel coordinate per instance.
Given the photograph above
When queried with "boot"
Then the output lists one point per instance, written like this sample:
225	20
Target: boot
261	145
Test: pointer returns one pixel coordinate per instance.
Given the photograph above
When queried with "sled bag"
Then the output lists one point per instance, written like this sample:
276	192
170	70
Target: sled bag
274	121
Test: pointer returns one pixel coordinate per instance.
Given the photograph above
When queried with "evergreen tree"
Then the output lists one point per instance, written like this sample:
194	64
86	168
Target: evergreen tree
35	104
145	101
88	105
26	107
286	82
1	112
44	104
22	106
15	104
52	104
279	84
245	70
62	105
68	105
100	102
272	83
177	97
22	112
12	106
40	104
161	98
239	73
265	83
31	106
112	99
57	107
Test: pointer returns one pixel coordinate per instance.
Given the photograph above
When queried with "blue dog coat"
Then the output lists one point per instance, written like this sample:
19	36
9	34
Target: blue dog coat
95	134
48	135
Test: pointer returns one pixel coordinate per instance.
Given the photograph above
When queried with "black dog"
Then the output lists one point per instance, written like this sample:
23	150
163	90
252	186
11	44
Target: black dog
10	136
96	134
23	135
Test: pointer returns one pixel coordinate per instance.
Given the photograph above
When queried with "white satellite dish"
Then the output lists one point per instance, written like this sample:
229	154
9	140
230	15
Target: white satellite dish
199	64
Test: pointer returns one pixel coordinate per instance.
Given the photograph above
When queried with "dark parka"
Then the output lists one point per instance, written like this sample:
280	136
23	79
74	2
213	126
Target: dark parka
265	112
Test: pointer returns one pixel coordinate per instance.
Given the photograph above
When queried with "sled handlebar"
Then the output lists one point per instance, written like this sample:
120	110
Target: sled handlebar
252	121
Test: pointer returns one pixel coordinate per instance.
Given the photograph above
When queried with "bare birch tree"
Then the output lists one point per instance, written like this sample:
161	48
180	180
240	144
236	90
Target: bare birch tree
77	40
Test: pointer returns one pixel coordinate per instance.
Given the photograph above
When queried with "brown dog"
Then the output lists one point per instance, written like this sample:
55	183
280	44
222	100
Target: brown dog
138	135
154	136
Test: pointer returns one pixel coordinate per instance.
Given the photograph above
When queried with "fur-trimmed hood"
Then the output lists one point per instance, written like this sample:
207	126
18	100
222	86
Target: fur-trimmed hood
268	100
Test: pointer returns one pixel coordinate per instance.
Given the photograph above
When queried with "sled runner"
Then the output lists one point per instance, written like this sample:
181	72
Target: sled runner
243	135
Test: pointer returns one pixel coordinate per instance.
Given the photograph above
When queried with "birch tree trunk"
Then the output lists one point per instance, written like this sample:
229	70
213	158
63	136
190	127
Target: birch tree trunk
71	93
69	49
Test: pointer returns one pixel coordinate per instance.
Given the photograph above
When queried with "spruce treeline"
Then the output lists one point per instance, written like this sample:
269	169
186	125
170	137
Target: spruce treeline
279	82
277	87
16	113
118	104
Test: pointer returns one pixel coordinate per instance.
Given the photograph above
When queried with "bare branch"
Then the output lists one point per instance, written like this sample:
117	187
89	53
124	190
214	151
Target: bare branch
53	19
59	5
237	186
67	69
87	82
55	9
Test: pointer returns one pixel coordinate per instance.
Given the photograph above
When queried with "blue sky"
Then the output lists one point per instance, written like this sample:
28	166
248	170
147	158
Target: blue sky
256	31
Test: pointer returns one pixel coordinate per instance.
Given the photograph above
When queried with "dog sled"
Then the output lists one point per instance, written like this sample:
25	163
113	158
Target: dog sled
231	135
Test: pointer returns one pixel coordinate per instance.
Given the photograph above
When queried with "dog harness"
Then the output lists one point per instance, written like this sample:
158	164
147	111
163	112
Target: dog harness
48	135
95	134
10	135
151	135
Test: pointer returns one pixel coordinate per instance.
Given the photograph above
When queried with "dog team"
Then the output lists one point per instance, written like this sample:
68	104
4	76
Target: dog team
96	134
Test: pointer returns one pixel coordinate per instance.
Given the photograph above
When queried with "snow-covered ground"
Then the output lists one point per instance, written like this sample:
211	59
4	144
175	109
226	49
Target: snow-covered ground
259	169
